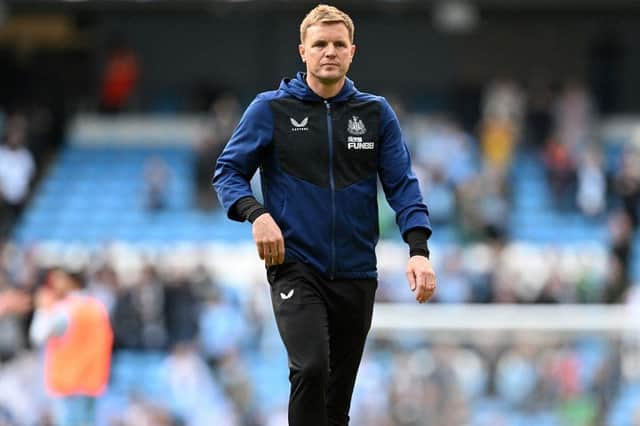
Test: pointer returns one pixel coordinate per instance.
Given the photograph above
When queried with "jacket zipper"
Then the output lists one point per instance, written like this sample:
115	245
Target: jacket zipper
333	189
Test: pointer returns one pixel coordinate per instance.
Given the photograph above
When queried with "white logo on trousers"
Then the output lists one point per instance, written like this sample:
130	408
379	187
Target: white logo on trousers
286	296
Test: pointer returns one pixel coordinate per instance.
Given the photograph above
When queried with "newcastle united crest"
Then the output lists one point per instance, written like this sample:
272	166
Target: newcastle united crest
356	126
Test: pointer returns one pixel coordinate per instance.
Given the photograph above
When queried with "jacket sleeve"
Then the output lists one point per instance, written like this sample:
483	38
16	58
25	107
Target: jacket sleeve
242	156
399	183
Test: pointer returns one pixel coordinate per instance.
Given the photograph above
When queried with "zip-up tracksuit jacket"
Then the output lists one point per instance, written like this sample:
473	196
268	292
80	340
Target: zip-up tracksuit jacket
319	161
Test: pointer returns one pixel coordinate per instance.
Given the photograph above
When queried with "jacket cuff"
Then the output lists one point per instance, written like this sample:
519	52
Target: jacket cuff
249	208
417	240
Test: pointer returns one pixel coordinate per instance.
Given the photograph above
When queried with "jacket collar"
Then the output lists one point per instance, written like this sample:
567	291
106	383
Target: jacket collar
298	88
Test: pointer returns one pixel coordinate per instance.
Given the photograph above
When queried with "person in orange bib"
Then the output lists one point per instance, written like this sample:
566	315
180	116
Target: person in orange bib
78	338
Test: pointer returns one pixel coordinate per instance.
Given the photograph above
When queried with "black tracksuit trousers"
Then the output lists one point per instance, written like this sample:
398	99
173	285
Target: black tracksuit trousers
323	324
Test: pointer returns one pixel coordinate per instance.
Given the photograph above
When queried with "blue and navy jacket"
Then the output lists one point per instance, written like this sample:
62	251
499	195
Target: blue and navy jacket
319	161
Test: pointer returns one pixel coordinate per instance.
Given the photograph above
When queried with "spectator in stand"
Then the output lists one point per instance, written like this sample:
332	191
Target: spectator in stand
441	145
441	197
223	328
574	122
22	396
591	184
144	413
224	115
483	206
238	386
181	310
192	393
493	206
456	287
627	185
104	286
619	274
444	162
502	290
575	119
13	304
17	169
516	376
139	319
561	172
503	112
498	140
120	76
22	274
505	102
258	312
554	291
156	177
76	331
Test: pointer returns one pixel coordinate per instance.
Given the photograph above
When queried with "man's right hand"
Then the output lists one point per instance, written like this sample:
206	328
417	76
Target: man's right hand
269	240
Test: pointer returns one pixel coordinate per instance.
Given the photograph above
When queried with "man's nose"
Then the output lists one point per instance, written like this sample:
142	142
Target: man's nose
331	50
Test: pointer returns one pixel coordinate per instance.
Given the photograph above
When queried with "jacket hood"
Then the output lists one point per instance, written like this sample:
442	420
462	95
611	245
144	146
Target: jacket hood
298	88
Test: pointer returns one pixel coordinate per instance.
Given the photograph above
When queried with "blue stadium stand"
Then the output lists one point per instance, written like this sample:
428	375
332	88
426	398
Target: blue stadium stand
97	194
534	217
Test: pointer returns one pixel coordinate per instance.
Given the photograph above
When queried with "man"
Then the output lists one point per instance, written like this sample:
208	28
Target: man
78	337
17	169
320	145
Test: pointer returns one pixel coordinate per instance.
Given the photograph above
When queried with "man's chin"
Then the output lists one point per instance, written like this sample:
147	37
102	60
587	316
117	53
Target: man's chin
330	78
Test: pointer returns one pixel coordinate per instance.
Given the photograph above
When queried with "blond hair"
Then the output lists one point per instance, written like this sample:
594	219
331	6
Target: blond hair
326	14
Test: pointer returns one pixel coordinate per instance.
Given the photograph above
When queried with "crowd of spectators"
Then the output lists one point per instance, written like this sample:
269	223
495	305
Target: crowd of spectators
491	383
189	346
467	175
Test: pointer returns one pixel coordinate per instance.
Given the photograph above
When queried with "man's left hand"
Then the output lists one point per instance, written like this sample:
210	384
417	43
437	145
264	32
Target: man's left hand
421	277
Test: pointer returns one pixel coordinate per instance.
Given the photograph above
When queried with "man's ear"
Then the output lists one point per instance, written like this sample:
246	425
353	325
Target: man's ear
302	52
353	51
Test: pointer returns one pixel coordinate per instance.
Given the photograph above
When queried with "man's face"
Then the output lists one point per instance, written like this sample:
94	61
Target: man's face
327	51
60	283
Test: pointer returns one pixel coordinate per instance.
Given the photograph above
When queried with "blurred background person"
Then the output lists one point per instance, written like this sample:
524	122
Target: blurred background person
157	178
119	76
75	330
17	169
223	116
626	185
502	121
592	184
139	315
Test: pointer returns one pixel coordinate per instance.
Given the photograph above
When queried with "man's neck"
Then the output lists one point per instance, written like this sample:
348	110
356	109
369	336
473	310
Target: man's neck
325	91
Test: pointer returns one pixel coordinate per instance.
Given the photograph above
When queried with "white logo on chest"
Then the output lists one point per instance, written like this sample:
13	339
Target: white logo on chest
355	142
299	126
